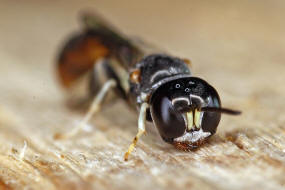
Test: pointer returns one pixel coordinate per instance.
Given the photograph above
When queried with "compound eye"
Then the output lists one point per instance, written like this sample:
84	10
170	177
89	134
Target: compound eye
211	120
169	122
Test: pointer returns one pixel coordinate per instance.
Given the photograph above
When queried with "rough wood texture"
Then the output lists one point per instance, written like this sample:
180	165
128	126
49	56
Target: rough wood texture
236	45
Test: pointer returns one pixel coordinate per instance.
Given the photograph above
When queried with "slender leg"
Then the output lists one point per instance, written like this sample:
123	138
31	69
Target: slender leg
94	108
141	129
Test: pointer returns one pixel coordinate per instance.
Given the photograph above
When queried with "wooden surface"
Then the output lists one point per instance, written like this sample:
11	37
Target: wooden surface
238	46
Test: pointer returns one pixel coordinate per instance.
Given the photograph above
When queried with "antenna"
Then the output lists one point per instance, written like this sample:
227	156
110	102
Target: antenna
221	110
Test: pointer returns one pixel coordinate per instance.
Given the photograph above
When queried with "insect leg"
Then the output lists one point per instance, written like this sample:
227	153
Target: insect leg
141	129
94	108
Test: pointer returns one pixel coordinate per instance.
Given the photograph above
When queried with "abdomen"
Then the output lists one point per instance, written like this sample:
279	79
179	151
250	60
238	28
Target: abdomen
78	56
94	55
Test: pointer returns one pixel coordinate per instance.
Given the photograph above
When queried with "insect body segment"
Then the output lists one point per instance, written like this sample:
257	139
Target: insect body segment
186	110
176	109
96	42
79	56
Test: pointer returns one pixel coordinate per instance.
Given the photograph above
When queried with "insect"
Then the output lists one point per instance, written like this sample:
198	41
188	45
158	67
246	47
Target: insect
186	110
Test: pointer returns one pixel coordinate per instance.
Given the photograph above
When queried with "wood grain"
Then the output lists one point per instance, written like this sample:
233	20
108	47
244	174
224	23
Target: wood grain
236	45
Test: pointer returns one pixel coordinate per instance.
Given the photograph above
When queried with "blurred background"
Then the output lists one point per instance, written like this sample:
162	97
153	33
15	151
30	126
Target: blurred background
238	46
220	37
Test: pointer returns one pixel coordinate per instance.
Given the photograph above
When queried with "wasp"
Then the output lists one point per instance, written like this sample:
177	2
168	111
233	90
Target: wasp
185	109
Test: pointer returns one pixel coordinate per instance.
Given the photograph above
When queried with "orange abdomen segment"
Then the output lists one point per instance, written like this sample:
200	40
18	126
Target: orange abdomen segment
78	57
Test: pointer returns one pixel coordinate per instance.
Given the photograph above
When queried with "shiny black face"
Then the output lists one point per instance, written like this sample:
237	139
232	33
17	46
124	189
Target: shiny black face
176	110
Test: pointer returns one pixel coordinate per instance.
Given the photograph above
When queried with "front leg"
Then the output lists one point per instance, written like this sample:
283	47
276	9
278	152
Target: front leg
141	129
